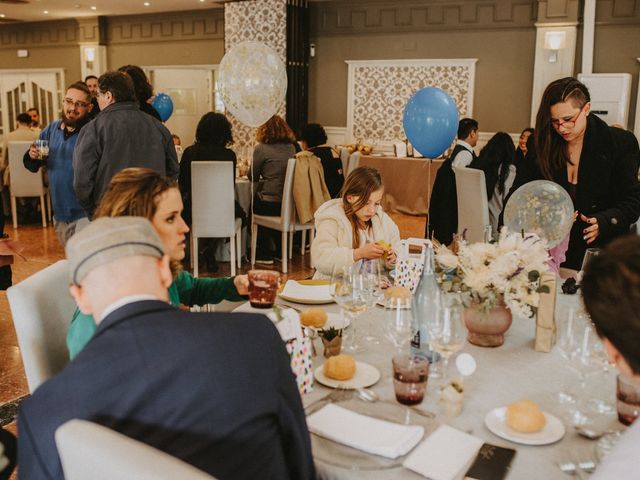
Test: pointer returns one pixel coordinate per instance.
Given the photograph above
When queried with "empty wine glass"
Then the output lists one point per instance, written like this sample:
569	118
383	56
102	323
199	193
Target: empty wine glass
369	271
346	290
398	322
448	332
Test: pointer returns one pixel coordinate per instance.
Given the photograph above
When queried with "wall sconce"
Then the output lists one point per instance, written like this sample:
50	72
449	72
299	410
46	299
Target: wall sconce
554	41
89	56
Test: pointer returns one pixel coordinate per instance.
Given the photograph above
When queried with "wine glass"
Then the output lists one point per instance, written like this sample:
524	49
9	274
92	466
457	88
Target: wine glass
448	332
398	322
346	289
369	271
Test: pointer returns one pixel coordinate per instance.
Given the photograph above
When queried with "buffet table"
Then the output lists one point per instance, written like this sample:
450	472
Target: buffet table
407	182
504	375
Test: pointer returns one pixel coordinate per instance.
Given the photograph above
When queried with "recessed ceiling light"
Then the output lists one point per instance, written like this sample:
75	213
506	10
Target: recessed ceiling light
93	7
202	1
146	4
2	15
46	12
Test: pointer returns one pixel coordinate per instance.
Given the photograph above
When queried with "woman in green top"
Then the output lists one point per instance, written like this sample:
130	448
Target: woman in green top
141	192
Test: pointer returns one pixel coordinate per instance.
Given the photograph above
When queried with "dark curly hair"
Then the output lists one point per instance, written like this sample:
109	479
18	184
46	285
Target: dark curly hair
215	129
141	84
313	135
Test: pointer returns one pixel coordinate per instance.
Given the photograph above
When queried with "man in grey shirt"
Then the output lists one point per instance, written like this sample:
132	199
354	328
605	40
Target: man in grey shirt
121	136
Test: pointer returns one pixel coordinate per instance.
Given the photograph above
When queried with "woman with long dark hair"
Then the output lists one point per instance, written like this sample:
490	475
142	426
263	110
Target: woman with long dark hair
348	228
143	89
595	163
521	148
496	160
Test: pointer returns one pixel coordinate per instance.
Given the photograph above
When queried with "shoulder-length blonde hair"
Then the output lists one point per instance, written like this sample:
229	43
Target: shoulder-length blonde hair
360	183
135	192
275	130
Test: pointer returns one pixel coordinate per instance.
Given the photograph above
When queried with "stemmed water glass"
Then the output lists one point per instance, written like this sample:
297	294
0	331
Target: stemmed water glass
398	322
448	332
369	271
346	288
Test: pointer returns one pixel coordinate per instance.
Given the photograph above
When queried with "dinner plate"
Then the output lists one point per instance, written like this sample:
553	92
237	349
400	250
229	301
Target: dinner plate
339	455
366	375
309	301
553	430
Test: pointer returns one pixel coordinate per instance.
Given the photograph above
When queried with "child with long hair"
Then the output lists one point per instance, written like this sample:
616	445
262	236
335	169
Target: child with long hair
347	228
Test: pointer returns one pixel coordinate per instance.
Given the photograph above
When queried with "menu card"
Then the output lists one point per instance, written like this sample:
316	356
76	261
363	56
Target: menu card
492	463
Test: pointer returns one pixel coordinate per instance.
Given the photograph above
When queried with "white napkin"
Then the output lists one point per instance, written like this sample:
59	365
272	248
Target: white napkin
370	435
320	293
443	454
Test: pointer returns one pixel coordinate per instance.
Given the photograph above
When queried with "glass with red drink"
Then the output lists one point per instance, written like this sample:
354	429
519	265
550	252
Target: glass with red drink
410	374
263	288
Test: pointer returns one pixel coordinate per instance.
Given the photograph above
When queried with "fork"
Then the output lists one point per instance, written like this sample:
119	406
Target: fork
340	393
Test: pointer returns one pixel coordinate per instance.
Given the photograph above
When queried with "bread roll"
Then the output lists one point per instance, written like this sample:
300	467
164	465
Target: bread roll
340	367
397	292
313	317
525	416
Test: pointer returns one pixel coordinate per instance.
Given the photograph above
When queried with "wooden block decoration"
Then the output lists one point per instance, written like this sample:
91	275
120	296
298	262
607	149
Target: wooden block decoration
545	319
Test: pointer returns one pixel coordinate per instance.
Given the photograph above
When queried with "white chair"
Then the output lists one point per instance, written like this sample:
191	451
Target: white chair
23	183
344	158
212	208
42	307
88	450
354	162
473	206
285	223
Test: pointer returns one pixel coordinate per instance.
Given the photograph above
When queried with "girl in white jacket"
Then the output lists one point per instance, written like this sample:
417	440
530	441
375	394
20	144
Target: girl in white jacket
348	228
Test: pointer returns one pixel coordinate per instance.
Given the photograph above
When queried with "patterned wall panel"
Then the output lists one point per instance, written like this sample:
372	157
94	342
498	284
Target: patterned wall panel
379	91
261	21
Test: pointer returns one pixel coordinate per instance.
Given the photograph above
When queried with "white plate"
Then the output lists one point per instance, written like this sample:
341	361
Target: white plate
551	433
366	375
309	284
382	303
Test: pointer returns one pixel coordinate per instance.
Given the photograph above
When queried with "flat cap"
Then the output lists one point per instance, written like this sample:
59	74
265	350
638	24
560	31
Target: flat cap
107	239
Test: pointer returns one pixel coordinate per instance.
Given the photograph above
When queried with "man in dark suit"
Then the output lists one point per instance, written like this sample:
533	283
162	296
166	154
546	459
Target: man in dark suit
442	223
215	390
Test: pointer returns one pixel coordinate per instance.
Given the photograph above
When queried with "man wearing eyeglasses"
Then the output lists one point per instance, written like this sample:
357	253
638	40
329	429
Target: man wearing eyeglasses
122	136
62	134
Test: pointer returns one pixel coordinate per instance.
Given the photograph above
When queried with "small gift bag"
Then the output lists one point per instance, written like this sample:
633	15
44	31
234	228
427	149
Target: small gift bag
299	349
410	262
545	319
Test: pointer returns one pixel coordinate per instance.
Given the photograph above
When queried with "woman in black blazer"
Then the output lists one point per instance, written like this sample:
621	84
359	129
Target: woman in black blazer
595	163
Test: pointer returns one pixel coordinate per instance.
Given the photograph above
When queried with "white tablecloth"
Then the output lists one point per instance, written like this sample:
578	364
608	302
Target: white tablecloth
504	375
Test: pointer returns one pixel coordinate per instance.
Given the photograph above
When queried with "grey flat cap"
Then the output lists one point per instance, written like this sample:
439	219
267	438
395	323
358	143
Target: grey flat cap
107	239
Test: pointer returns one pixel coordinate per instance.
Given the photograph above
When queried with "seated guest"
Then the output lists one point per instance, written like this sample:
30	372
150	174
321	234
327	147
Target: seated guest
7	454
496	160
314	139
143	89
141	192
212	389
270	158
348	228
442	222
611	293
521	149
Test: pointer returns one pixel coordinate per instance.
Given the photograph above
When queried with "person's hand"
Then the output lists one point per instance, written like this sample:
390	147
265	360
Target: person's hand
391	258
33	152
241	282
370	251
592	231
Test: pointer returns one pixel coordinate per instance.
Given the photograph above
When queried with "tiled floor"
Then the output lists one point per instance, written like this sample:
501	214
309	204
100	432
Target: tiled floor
42	249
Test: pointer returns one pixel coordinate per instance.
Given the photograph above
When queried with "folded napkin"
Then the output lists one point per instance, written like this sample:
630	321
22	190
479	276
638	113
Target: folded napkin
370	435
443	454
320	293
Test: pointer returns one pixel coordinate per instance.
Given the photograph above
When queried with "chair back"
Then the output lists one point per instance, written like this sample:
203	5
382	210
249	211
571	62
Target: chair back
344	158
23	183
354	162
288	213
42	307
89	450
473	206
212	199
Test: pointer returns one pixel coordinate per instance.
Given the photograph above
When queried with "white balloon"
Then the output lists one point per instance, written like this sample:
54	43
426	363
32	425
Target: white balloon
541	207
253	82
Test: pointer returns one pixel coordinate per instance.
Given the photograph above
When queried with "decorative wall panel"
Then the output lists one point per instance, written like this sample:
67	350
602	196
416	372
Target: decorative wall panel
379	91
261	21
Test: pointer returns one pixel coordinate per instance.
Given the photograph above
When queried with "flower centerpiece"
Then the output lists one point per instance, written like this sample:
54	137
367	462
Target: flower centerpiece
495	280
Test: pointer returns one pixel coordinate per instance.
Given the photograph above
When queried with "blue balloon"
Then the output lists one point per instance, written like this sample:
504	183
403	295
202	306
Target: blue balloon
430	121
163	105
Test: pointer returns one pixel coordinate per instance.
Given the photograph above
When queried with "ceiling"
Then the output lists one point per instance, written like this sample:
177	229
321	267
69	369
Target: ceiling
41	10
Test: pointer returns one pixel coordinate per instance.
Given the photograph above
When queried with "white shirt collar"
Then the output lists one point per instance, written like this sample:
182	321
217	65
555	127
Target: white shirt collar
465	145
112	307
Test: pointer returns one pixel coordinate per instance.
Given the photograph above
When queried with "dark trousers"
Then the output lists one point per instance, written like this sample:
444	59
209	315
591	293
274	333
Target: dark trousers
268	238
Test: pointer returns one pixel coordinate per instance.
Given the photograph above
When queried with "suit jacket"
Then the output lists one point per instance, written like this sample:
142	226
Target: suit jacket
443	205
215	390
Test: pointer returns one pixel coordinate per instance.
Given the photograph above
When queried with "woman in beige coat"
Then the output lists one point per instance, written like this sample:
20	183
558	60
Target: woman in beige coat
354	227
